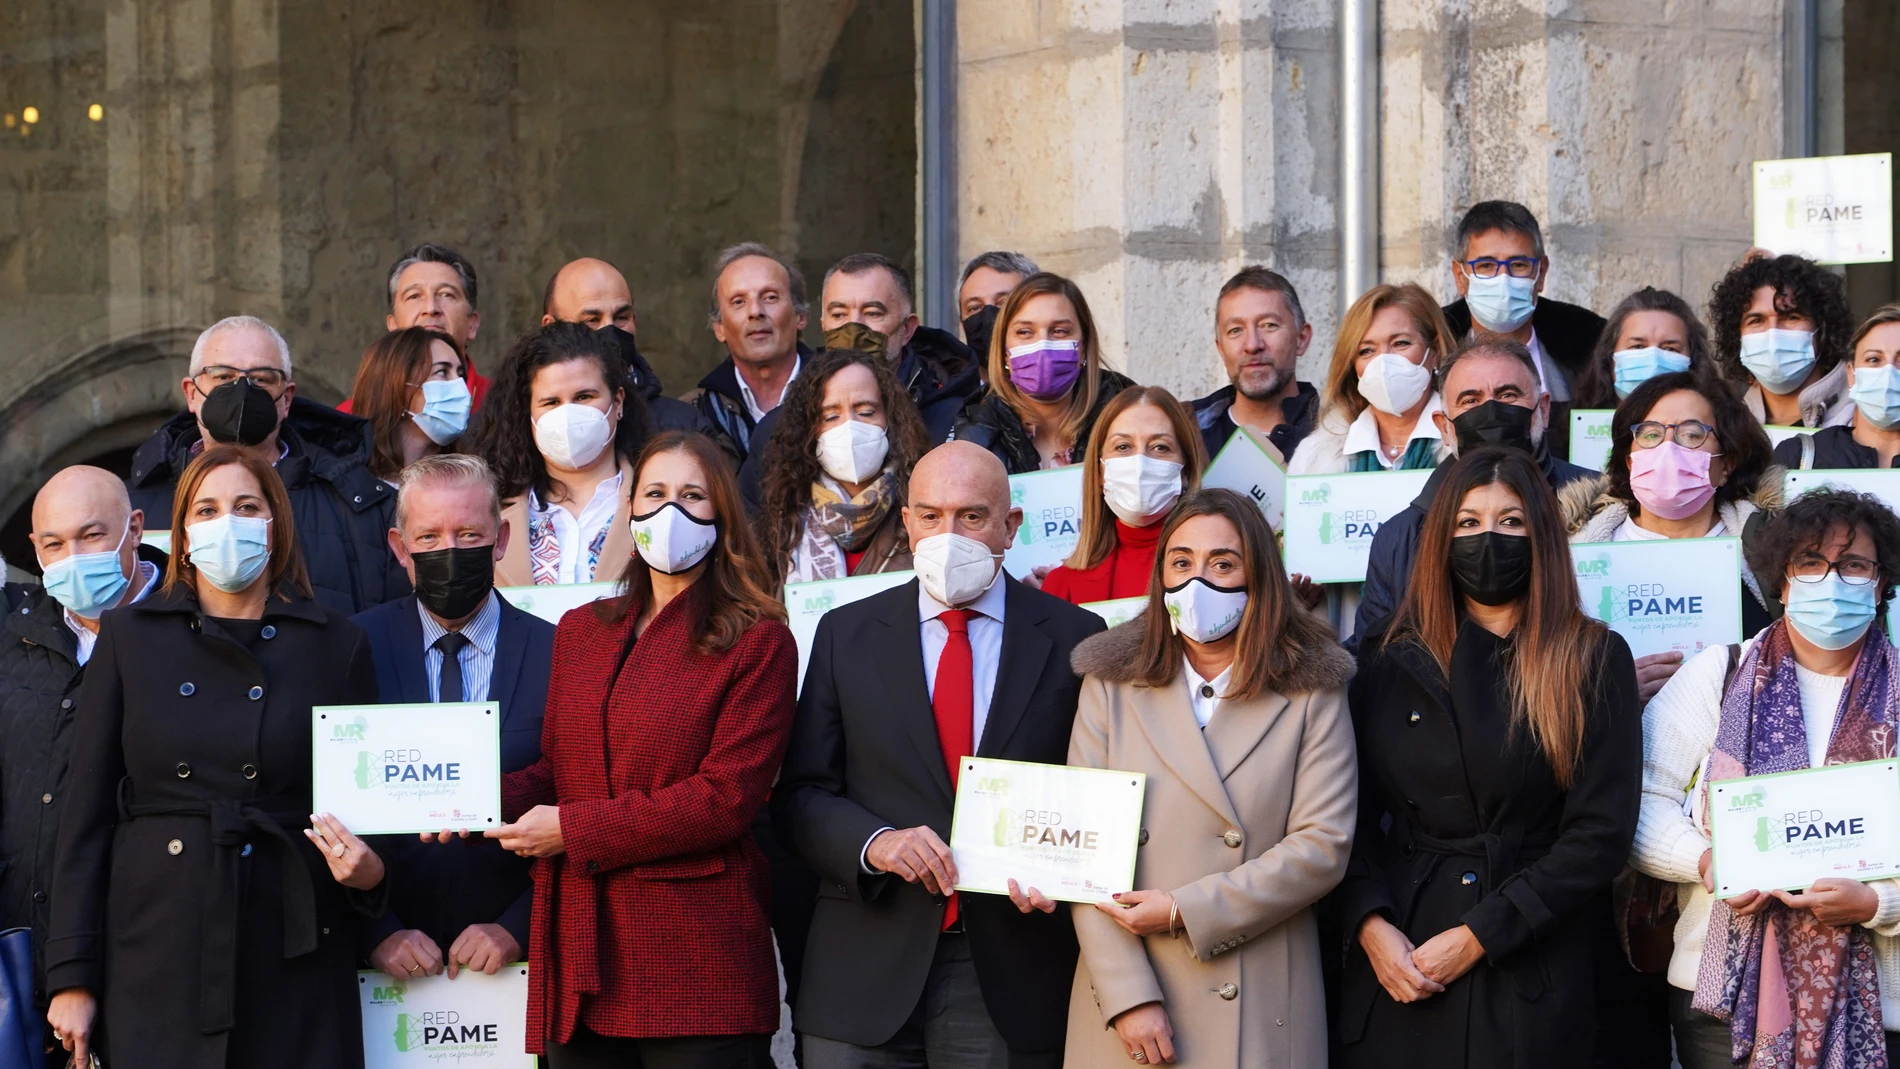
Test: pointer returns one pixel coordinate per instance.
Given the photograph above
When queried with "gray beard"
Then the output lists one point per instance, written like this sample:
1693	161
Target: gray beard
1272	391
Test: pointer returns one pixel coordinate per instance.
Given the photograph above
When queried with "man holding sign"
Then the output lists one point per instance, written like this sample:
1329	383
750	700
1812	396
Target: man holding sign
964	662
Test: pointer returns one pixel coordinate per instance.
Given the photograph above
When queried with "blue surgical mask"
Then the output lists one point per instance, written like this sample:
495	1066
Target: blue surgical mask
1876	393
1637	366
1501	304
1833	614
88	584
230	551
1779	359
445	405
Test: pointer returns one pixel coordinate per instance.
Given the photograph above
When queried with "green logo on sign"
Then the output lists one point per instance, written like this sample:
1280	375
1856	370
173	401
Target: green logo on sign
1328	531
1318	495
355	729
408	1036
362	770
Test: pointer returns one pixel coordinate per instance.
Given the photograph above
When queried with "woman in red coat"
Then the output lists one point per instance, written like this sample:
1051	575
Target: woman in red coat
666	721
1144	453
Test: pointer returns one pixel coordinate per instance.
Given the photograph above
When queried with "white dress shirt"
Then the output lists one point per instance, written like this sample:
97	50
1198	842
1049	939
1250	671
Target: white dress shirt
752	402
573	536
1363	433
144	577
477	658
1204	694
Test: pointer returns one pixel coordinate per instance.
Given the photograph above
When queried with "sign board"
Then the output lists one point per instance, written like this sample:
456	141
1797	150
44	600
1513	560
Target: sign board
1831	209
1330	519
806	603
402	769
1785	830
1069	832
474	1021
552	602
1250	465
1052	518
1883	483
1118	611
1670	595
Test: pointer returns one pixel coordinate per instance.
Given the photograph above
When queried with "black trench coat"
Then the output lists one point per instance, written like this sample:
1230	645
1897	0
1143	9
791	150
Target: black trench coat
1461	821
185	894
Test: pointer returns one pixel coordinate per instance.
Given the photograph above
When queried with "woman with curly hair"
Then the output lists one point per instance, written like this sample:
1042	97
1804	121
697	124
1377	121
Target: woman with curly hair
837	466
1781	327
560	431
1651	332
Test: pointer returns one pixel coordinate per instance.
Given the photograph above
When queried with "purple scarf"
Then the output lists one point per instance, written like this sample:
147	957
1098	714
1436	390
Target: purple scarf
1796	993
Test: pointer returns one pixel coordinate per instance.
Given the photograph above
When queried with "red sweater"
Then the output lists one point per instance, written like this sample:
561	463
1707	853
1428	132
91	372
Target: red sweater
1124	574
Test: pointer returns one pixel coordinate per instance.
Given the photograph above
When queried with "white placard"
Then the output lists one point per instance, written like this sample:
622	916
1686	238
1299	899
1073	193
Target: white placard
552	602
1070	833
806	603
1330	519
1590	437
474	1021
1249	464
159	540
1052	518
1786	830
1679	595
1831	209
1883	483
1119	610
401	769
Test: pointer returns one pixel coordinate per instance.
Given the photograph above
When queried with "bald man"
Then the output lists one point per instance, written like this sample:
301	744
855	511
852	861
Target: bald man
594	293
901	685
86	536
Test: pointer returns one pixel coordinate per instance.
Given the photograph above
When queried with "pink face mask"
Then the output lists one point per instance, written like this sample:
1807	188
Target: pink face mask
1671	481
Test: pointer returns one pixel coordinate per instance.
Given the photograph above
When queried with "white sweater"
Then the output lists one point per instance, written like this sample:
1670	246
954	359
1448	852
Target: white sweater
1679	728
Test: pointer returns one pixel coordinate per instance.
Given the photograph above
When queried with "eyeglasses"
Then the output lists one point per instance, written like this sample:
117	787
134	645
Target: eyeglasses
1854	571
1689	434
217	375
1516	267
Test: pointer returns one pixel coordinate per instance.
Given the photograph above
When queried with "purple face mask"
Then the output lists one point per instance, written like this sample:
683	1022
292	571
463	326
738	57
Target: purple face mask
1045	369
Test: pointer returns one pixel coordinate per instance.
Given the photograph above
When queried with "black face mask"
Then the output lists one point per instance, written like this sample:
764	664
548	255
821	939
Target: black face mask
451	583
1491	568
1494	423
621	343
978	326
240	412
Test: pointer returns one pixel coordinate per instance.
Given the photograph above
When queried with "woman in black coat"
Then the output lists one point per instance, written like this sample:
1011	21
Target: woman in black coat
193	900
1500	765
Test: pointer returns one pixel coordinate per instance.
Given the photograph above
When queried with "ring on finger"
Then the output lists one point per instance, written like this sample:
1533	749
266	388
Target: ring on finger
339	850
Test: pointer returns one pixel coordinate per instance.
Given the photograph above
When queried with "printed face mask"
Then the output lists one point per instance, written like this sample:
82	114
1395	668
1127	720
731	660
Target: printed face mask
572	436
1045	369
1202	611
230	551
1501	304
88	584
1833	613
671	539
1491	568
853	451
1392	384
955	569
1670	480
1637	366
1779	359
1876	396
1137	488
445	408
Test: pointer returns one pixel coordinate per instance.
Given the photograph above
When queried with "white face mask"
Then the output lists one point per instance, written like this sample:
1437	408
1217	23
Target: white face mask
955	569
671	539
571	437
1139	488
853	451
1203	612
1392	384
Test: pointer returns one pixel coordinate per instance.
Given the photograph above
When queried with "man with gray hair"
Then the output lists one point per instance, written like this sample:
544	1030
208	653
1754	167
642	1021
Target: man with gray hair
986	280
464	905
239	390
434	286
759	308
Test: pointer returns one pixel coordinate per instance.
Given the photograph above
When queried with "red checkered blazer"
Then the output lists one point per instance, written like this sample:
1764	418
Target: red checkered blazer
654	923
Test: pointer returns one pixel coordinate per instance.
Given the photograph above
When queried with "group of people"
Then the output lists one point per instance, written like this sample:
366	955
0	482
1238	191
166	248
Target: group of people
1409	822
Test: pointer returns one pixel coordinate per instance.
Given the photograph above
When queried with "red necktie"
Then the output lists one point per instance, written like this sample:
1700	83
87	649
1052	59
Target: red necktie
954	703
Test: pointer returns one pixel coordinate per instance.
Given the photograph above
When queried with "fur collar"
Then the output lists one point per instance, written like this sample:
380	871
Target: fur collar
1320	663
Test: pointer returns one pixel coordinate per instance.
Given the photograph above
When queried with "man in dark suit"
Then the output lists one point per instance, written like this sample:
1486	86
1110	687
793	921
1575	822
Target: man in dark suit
1500	272
900	972
464	904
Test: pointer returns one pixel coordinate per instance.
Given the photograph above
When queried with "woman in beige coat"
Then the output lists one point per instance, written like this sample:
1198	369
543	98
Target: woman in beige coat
1231	699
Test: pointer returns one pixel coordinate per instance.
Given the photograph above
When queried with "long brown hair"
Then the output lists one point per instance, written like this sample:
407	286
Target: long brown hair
790	460
1087	388
285	574
1098	523
1555	647
1274	634
1341	391
394	366
733	582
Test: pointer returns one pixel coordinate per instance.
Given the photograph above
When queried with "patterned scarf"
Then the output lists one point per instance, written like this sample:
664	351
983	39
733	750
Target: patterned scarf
1796	993
544	548
1419	453
836	525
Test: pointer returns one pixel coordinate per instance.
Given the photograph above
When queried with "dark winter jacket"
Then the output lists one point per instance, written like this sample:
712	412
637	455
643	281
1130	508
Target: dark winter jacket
666	413
343	512
1299	412
718	399
1567	333
988	421
1833	447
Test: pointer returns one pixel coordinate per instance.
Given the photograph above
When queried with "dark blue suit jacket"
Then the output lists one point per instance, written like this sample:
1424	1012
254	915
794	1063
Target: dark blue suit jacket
442	889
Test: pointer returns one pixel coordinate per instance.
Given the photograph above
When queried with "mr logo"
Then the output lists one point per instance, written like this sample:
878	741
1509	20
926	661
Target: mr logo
1597	567
820	604
385	996
1318	495
354	730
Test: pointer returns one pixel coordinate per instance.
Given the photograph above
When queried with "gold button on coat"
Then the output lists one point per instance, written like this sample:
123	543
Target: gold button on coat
1229	992
1231	838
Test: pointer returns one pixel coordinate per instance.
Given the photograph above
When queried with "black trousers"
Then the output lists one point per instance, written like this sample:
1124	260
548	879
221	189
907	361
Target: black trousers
590	1051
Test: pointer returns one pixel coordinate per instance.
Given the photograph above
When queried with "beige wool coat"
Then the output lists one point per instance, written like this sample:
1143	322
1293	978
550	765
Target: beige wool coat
516	567
1248	824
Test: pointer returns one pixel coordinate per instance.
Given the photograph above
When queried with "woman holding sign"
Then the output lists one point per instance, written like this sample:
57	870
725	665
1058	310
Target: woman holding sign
197	904
1047	382
1815	971
1686	461
665	727
1499	752
1872	438
1230	697
1143	455
837	469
